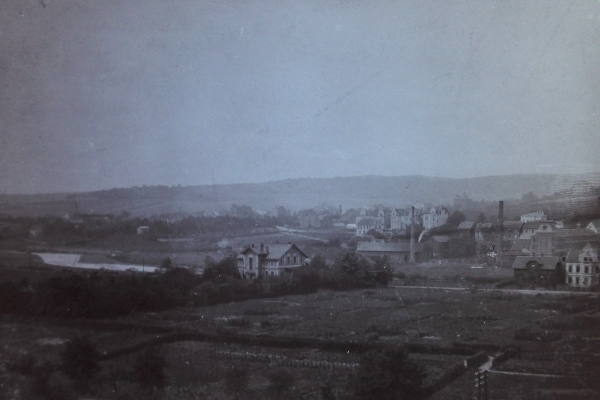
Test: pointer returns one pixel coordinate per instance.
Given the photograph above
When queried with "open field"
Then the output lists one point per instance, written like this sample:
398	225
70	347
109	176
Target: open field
429	318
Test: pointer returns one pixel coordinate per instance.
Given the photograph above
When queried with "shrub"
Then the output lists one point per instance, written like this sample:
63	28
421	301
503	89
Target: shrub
80	359
388	374
280	381
148	370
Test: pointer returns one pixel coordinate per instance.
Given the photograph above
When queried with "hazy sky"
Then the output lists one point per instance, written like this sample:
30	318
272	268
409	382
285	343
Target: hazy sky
116	93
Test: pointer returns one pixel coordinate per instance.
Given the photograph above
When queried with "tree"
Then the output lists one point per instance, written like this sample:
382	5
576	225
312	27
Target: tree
236	380
375	234
529	197
455	219
222	271
280	381
166	264
389	374
481	218
79	359
148	370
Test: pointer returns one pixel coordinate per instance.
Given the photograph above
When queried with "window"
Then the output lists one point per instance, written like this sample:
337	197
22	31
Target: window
587	270
570	268
577	281
250	260
295	260
577	269
570	280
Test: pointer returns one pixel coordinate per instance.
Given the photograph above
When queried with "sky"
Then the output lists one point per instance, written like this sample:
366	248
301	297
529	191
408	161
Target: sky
120	93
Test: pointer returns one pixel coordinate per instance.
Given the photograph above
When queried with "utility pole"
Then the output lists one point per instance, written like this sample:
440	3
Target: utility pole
412	234
500	233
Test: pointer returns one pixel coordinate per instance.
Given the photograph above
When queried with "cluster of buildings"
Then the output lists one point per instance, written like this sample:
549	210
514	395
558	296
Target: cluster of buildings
546	251
394	219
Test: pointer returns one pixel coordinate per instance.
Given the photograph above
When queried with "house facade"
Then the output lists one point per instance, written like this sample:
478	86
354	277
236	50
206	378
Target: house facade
437	216
542	242
582	267
512	230
536	270
269	260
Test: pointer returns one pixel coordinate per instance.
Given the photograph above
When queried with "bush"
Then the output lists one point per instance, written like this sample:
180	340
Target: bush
388	374
280	381
148	370
80	359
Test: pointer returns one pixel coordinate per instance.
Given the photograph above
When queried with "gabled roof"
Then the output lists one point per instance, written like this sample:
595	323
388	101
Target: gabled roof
533	224
546	262
272	251
520	244
548	229
519	247
276	251
579	232
572	256
401	247
466	225
483	227
512	224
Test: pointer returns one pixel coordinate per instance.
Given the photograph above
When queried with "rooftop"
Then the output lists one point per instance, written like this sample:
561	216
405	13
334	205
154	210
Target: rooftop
544	262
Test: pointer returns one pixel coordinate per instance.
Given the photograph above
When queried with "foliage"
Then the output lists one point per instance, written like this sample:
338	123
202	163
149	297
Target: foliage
236	380
529	197
221	272
280	381
13	299
375	234
455	219
148	370
389	374
80	359
481	218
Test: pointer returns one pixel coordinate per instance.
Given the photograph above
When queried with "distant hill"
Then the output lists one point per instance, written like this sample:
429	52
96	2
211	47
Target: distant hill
295	194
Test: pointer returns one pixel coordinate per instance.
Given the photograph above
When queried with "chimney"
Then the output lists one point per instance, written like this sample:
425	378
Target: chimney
500	233
412	235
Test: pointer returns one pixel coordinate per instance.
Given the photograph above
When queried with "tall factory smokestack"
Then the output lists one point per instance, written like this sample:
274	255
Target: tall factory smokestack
500	233
412	235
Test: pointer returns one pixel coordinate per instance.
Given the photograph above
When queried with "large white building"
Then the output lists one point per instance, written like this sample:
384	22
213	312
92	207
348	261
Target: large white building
534	216
582	268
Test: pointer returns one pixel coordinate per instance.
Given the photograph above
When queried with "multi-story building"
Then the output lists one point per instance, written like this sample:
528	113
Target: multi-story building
512	230
269	260
534	216
437	216
542	242
582	267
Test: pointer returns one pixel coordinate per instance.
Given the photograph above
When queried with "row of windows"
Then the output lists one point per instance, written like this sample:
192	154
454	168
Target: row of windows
586	269
585	281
